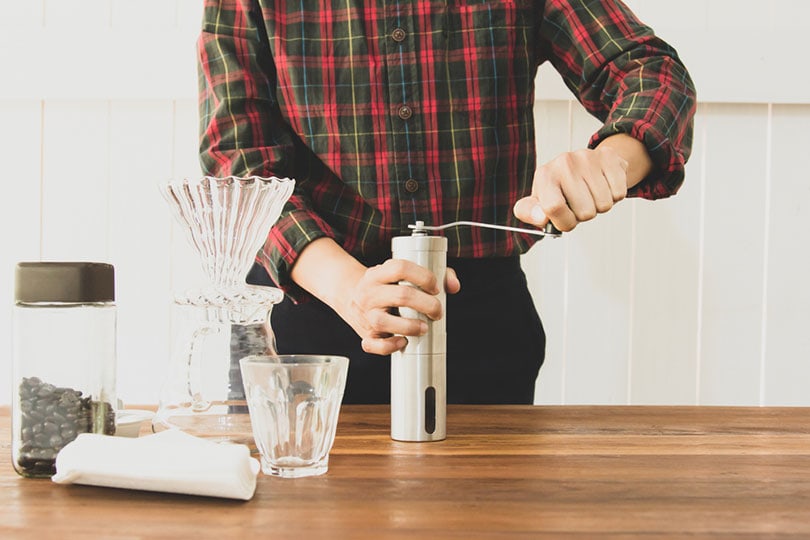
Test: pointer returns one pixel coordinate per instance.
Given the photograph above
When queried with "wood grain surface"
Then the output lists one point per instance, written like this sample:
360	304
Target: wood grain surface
503	472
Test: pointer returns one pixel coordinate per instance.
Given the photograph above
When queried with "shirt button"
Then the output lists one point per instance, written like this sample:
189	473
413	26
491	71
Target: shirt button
411	185
398	35
405	112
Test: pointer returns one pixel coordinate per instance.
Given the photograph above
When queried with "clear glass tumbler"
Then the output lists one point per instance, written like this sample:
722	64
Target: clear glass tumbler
294	403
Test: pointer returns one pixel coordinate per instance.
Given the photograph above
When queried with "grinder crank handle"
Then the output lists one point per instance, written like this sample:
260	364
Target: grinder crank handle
548	230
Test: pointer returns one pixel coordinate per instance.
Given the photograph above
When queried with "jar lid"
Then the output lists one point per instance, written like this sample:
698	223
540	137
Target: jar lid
69	282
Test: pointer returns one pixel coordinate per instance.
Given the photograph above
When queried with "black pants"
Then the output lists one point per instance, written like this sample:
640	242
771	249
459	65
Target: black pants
495	340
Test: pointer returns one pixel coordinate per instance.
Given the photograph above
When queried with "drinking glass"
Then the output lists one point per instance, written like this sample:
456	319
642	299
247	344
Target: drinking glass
294	402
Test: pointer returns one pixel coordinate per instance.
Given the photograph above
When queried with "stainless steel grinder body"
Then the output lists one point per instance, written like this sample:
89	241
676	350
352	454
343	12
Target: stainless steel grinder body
419	372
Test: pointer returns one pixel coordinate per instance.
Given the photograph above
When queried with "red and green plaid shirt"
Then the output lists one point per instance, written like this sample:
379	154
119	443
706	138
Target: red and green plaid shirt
386	112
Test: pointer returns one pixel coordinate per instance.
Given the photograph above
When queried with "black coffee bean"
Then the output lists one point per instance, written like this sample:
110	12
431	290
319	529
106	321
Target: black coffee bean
47	467
51	418
68	400
40	440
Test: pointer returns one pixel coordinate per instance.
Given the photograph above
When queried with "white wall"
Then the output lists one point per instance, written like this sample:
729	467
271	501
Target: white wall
696	299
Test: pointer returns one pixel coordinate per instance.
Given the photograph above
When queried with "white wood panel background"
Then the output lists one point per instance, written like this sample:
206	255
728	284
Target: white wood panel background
698	299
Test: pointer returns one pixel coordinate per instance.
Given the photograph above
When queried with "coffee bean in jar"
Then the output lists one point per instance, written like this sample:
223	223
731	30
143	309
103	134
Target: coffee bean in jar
64	359
51	417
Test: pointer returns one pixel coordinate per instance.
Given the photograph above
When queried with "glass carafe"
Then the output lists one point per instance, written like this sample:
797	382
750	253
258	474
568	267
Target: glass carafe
224	320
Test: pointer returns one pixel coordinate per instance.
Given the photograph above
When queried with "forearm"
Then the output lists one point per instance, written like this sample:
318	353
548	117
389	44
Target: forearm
327	272
630	79
654	104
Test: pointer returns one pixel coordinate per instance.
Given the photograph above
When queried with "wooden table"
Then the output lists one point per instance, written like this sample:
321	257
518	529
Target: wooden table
503	472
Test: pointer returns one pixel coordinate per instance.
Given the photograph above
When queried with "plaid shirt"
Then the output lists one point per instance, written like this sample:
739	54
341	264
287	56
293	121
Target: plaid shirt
388	112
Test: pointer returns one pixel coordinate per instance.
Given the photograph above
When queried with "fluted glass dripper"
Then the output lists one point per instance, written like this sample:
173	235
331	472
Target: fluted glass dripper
227	220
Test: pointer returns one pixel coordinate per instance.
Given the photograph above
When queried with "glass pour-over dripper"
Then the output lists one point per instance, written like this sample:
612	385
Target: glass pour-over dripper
226	221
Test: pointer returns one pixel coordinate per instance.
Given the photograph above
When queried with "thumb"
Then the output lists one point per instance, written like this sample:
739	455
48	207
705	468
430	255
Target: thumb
528	210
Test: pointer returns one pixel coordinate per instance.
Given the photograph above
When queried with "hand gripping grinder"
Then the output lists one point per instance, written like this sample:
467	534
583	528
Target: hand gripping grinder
419	372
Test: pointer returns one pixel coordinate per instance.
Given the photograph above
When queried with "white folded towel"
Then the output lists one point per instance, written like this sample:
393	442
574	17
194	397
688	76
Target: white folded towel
170	461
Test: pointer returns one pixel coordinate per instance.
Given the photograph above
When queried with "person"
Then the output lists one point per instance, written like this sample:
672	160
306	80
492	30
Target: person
389	112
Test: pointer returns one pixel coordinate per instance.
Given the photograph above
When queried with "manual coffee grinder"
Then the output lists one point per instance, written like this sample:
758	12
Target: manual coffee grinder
419	372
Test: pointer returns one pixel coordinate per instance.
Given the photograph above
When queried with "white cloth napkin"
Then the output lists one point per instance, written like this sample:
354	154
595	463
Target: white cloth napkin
170	461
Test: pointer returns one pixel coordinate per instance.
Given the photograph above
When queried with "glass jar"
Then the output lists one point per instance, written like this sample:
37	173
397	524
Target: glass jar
64	359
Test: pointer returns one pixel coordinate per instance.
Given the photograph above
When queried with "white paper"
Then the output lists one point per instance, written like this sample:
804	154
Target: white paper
169	461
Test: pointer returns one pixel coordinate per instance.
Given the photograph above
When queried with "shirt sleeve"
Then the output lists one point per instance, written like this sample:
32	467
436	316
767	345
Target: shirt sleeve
628	78
242	132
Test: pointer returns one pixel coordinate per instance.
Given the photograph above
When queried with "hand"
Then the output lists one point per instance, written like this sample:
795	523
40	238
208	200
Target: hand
377	294
366	297
575	187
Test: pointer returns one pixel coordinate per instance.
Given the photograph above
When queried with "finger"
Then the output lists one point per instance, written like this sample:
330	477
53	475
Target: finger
615	172
396	270
598	185
528	210
384	345
451	283
548	188
577	194
383	323
399	296
407	296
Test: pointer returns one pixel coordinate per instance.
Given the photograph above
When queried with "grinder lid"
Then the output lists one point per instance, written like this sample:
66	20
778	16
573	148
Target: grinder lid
64	282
